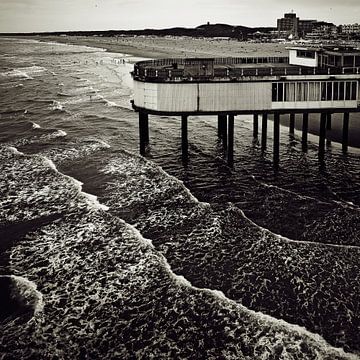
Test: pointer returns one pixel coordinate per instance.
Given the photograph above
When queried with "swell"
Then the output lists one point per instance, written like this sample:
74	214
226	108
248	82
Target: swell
278	326
222	249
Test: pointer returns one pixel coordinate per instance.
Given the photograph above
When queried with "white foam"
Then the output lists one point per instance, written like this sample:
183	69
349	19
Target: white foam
57	106
24	72
111	103
60	133
90	199
285	239
219	295
15	151
28	291
35	125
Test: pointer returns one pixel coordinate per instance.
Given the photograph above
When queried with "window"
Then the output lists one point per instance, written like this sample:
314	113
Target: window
348	90
353	90
314	91
305	54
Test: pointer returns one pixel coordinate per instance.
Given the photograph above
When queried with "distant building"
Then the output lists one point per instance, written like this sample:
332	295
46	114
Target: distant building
288	25
350	28
292	26
306	26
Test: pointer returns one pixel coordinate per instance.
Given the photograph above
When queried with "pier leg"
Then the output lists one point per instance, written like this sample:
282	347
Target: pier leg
292	124
256	125
146	129
276	138
184	135
345	137
264	131
225	132
305	126
221	122
322	135
231	140
328	121
143	129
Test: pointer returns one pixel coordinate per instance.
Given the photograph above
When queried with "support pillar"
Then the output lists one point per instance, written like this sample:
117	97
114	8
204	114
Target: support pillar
143	130
146	129
322	135
305	127
292	124
276	138
264	131
231	140
184	135
328	121
225	132
345	135
222	127
256	125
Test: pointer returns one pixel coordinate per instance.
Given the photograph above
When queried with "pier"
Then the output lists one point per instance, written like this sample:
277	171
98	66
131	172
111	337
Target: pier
309	80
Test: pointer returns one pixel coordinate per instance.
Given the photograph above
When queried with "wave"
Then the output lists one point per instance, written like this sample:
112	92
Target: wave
57	106
90	199
281	327
20	298
64	95
25	72
273	330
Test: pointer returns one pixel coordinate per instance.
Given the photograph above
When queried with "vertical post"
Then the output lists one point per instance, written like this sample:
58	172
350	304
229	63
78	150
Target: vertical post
231	140
225	130
345	137
184	135
292	124
256	125
305	126
322	135
328	121
222	123
146	129
276	138
143	125
264	131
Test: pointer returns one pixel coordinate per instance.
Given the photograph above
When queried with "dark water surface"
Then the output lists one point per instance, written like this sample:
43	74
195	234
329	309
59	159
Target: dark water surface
105	254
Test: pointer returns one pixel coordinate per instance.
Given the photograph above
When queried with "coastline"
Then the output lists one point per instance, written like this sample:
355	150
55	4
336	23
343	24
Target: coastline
164	47
160	47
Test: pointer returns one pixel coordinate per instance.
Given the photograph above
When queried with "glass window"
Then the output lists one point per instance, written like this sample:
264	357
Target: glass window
349	61
353	90
274	91
336	91
341	91
280	92
323	91
348	90
329	91
289	92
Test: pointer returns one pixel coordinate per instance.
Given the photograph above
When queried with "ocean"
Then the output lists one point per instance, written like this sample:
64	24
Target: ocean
105	254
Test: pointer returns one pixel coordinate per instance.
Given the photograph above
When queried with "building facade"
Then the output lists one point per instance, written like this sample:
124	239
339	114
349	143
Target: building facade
350	28
288	25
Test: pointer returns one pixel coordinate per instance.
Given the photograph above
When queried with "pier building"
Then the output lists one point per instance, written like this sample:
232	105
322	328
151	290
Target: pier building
309	80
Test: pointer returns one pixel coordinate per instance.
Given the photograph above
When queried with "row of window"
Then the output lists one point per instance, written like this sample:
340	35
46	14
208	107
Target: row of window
314	91
305	54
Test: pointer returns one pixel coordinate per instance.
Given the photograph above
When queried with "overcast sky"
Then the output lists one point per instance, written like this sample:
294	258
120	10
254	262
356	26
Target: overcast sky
52	15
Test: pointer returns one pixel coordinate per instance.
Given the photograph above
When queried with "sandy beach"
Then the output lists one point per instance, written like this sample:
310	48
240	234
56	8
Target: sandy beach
159	47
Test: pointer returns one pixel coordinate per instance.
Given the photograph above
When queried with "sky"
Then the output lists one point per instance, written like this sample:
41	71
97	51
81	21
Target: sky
67	15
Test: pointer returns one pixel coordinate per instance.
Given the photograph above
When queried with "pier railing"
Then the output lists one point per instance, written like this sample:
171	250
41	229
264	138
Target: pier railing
228	69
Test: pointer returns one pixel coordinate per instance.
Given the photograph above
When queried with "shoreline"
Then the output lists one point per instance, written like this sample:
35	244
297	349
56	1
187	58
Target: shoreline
162	47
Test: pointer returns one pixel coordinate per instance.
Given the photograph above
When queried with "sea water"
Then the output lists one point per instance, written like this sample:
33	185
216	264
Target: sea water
107	254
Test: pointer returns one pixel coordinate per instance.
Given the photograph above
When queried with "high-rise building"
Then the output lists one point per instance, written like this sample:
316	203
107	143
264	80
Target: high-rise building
288	25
